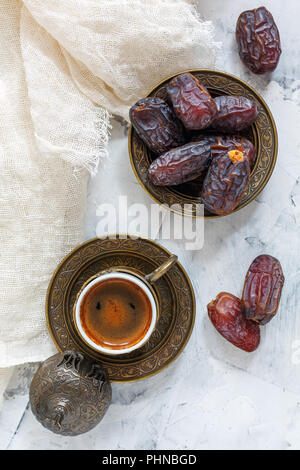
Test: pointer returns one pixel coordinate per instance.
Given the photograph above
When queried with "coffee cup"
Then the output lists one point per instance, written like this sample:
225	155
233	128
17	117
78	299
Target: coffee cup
116	311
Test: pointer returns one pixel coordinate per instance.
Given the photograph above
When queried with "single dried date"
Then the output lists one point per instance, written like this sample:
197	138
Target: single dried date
262	289
191	101
180	164
156	124
225	182
223	143
225	313
258	40
235	113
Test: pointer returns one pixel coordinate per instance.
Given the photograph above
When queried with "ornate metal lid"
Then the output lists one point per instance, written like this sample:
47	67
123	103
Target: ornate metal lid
262	134
70	393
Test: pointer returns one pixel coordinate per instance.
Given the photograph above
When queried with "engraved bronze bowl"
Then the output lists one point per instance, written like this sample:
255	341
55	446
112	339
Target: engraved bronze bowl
262	134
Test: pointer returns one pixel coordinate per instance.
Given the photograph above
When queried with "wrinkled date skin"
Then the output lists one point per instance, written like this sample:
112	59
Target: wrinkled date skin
235	113
220	144
258	40
262	289
225	313
156	124
226	182
191	101
181	164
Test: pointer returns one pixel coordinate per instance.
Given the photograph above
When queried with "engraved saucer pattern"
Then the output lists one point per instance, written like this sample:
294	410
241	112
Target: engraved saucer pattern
174	291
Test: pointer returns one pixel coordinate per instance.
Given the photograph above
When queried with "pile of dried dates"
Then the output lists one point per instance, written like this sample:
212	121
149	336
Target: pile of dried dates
238	320
196	137
223	158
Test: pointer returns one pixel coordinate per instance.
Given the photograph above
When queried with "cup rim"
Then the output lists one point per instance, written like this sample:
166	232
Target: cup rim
115	274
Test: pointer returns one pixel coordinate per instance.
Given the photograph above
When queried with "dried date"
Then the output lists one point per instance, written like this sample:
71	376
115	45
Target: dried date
225	182
258	40
235	113
225	313
156	124
180	164
191	101
262	289
223	143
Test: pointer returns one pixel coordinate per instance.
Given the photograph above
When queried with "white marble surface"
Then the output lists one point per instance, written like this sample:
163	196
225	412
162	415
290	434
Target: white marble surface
214	396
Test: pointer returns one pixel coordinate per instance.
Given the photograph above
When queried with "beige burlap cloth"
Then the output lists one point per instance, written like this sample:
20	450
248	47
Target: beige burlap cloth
65	65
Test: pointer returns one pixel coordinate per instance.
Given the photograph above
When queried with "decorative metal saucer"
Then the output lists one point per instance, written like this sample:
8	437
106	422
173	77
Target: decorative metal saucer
174	291
262	134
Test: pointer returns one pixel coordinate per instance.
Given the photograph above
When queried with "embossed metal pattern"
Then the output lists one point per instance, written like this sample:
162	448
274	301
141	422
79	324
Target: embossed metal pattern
174	292
70	393
262	133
